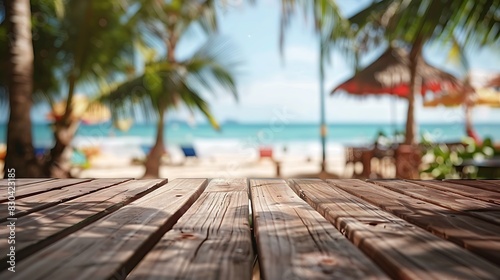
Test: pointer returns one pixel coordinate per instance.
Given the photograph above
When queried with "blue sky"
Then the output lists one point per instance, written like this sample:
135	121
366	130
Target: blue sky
269	85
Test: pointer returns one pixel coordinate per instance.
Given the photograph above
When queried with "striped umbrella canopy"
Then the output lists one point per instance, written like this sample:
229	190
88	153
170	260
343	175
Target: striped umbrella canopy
390	75
473	93
479	97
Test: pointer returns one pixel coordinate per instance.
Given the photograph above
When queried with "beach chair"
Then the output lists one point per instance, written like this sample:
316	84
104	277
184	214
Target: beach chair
265	152
189	152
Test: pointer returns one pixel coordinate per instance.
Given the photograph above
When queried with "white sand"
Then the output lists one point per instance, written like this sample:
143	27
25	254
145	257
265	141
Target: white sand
223	166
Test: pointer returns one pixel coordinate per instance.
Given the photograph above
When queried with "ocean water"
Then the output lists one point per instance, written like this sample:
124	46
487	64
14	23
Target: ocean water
247	135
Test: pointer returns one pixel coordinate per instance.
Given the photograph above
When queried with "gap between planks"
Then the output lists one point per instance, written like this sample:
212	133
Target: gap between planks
40	229
476	235
38	202
295	242
400	248
113	245
212	240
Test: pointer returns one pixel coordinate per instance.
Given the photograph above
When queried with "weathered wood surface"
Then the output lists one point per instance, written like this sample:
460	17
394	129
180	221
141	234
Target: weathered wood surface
401	249
472	192
40	229
489	185
114	229
44	200
41	186
21	182
296	242
112	246
478	236
483	210
212	240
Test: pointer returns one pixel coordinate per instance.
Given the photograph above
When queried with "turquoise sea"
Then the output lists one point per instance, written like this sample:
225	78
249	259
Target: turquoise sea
262	133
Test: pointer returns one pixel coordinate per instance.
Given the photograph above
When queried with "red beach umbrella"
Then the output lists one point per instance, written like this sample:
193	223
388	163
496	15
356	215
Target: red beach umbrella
390	74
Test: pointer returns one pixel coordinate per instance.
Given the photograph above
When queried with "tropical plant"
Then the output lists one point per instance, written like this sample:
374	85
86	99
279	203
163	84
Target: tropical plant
97	47
416	22
169	81
75	49
441	160
20	158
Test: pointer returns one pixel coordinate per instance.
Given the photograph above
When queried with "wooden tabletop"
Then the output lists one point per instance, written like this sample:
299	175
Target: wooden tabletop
244	228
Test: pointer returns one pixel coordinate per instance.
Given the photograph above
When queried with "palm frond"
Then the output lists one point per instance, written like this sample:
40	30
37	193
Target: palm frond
213	66
193	101
329	23
474	22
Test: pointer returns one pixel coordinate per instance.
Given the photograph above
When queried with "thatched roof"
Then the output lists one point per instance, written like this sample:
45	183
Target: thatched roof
390	74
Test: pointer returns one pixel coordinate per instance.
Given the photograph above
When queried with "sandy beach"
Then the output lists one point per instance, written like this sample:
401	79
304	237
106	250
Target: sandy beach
218	165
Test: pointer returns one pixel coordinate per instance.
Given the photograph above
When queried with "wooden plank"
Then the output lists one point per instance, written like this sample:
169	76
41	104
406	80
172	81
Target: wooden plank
21	182
489	185
41	201
483	210
41	186
472	192
296	242
477	236
40	229
401	249
112	246
212	240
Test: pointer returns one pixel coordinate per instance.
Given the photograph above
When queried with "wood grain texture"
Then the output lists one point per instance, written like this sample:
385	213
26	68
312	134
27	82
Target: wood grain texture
401	249
480	209
41	186
477	236
23	182
489	185
110	247
296	242
468	191
40	229
41	201
212	240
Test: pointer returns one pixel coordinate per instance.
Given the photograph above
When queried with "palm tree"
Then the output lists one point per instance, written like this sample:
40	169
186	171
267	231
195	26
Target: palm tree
333	31
415	22
20	156
74	49
97	47
167	82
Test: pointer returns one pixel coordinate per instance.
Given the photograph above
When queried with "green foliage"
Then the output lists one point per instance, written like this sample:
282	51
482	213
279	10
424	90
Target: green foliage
162	83
168	82
441	159
46	31
88	39
474	23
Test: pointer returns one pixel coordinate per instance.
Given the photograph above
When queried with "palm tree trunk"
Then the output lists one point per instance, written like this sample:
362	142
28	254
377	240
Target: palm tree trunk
20	157
408	155
415	88
153	159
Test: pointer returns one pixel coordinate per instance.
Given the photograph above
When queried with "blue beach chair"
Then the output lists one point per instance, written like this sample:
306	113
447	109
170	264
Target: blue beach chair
189	151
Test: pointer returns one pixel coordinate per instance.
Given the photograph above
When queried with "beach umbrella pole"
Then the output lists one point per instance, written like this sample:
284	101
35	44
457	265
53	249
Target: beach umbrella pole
323	129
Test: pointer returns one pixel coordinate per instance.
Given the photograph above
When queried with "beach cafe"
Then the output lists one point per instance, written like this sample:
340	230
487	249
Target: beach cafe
123	159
